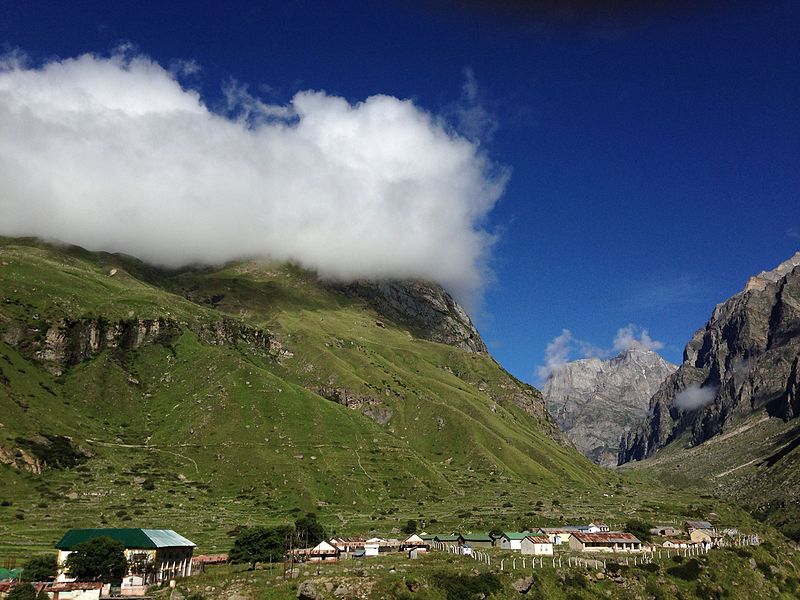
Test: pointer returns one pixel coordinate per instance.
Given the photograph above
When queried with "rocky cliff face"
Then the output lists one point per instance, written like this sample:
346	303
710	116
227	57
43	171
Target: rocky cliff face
67	342
424	308
596	401
744	360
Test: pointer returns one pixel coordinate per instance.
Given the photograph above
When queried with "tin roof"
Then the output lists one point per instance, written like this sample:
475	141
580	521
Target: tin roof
538	539
609	537
446	538
698	525
130	538
516	535
477	537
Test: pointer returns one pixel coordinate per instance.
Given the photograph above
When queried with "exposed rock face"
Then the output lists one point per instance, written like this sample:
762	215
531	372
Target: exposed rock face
368	405
744	360
68	342
596	401
425	308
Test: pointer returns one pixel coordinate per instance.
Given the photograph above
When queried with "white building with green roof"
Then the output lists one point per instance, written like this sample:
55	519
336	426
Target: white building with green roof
512	540
153	555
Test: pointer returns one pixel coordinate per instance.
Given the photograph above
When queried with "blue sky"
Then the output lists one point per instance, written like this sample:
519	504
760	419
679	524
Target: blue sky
654	158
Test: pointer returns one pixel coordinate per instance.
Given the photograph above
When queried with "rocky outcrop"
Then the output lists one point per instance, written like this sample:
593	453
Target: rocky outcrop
744	360
426	309
595	402
368	405
68	342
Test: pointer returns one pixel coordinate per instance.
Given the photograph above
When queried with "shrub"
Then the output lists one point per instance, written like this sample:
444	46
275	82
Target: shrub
688	571
97	559
23	591
40	568
641	529
458	587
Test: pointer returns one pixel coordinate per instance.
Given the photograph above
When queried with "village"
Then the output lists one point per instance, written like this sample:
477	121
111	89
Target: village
162	557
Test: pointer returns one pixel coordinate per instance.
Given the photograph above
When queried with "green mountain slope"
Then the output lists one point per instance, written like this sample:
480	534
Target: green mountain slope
207	398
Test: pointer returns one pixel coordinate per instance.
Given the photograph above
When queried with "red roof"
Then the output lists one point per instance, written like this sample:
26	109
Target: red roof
608	537
538	539
210	559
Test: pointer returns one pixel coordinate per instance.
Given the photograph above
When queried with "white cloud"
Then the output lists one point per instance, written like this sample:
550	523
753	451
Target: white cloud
112	153
556	354
565	347
626	339
470	113
694	397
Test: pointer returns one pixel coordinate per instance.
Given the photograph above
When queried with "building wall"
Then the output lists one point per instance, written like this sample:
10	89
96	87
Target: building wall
507	544
536	549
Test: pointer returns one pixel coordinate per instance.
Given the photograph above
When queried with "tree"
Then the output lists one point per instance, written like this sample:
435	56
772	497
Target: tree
97	559
640	529
309	530
40	568
410	527
24	591
259	544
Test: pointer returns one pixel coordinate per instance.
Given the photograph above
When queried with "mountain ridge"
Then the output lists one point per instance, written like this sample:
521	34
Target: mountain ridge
595	401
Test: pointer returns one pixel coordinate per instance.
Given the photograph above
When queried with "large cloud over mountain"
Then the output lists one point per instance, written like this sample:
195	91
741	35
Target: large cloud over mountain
113	153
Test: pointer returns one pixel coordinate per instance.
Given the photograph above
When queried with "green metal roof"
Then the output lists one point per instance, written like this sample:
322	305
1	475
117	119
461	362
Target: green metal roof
477	537
130	538
10	573
516	535
447	538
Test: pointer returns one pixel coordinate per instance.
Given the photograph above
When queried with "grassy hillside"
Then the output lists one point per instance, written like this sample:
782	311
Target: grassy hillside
206	399
191	419
754	465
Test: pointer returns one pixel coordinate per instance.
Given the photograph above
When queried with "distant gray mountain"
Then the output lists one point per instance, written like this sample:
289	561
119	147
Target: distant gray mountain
595	402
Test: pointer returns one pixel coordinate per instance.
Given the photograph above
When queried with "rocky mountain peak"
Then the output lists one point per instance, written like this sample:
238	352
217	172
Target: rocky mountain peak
744	360
595	401
760	281
425	308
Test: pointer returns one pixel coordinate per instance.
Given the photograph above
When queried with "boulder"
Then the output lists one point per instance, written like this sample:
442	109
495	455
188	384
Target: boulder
308	591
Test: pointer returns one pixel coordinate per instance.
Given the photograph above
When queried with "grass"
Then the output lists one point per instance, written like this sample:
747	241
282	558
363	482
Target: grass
725	573
186	432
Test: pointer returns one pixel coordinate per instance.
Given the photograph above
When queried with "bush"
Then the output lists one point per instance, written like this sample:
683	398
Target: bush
40	568
97	559
259	544
688	571
641	529
410	527
458	587
23	591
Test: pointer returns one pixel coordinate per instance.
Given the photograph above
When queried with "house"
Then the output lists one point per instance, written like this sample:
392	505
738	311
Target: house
558	535
323	552
598	527
476	540
538	545
615	541
677	544
690	526
665	531
153	555
448	540
707	537
372	547
77	590
414	541
348	545
511	540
